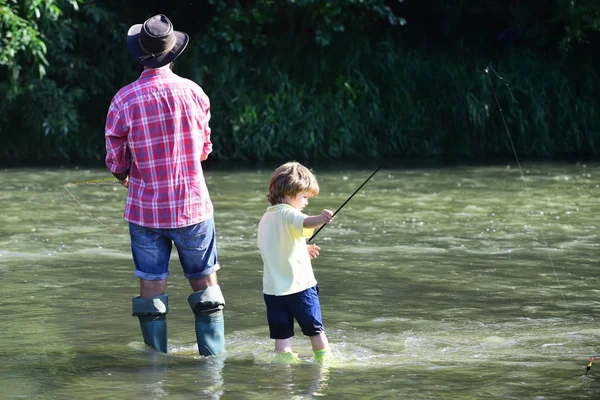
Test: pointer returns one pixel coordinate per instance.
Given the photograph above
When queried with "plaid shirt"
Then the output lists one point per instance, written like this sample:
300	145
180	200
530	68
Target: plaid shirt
157	129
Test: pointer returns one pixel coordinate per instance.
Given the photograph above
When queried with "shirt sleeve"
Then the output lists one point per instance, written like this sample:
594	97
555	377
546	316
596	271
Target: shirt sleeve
205	128
295	219
115	133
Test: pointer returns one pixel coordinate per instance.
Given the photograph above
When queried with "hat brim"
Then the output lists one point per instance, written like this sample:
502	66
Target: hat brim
133	45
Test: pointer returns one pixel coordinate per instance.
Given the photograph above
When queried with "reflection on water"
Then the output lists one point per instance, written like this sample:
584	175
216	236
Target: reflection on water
446	282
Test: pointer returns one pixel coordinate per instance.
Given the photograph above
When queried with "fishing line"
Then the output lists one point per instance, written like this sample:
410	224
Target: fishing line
103	181
527	189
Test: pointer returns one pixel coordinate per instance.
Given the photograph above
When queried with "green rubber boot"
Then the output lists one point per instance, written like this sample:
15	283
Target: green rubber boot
207	306
152	314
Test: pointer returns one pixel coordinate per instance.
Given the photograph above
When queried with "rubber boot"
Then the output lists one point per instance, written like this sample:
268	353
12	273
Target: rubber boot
152	314
207	306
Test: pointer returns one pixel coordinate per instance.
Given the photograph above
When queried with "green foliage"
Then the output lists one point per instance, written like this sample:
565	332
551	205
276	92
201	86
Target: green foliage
313	79
22	41
53	114
563	24
580	18
254	23
365	101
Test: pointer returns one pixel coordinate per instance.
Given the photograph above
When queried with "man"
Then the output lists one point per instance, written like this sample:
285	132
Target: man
157	135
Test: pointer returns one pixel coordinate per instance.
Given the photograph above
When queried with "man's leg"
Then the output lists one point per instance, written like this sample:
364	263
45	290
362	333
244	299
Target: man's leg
151	308
151	251
197	249
204	282
207	303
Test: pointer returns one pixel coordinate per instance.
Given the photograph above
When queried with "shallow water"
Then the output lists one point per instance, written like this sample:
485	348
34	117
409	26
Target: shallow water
443	282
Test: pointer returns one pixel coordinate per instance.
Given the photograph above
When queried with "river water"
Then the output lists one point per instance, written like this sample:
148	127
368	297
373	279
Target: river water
448	282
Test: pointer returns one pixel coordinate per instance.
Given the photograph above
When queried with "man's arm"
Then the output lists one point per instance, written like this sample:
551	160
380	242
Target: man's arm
121	175
204	104
118	159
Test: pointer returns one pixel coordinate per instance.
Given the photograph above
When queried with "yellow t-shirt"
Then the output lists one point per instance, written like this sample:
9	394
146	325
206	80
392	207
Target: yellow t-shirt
282	245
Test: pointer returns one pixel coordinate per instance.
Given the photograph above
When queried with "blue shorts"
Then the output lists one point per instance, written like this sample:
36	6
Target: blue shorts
303	306
196	246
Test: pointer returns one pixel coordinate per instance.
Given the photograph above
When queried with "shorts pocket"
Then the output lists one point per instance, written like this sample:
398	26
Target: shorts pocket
197	237
141	236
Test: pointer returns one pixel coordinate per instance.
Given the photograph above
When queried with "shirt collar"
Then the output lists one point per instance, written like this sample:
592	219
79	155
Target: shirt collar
166	70
279	207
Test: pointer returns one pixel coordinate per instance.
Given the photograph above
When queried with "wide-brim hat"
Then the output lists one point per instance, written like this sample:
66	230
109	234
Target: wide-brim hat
155	43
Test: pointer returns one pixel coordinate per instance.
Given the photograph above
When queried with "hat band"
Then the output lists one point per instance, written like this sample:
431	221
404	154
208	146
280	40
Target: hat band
149	54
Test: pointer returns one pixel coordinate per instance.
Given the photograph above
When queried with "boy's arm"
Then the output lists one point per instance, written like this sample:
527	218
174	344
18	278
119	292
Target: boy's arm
316	221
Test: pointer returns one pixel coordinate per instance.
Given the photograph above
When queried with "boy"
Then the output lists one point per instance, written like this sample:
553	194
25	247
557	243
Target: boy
289	285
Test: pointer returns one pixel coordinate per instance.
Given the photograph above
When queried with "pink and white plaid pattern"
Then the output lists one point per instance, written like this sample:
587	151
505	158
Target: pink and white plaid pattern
157	129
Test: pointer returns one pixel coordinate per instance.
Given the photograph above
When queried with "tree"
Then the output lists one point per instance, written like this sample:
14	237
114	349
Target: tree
22	43
580	19
256	23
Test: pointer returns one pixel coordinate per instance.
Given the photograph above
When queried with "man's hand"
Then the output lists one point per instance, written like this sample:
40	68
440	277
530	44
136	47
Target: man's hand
123	178
124	182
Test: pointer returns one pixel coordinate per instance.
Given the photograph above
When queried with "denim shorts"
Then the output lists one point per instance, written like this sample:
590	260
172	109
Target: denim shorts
304	306
196	246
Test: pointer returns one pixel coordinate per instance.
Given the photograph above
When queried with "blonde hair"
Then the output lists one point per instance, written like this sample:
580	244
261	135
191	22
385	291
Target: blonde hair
290	179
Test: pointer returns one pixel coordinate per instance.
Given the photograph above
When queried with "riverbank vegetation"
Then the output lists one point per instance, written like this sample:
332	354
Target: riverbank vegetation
309	79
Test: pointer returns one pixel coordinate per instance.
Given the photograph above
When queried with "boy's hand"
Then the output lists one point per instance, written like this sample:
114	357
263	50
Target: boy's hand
316	221
313	250
327	216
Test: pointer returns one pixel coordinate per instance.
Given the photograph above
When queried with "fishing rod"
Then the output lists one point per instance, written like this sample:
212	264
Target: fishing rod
346	202
102	181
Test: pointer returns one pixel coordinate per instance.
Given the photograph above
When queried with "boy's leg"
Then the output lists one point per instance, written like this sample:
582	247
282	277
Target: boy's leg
283	345
320	347
319	341
281	322
307	311
284	353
